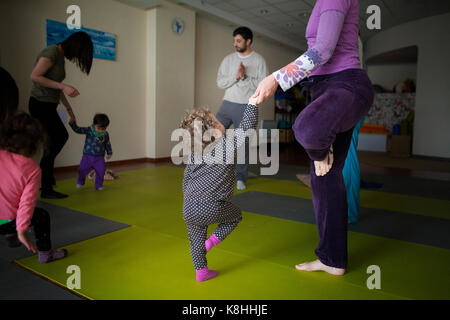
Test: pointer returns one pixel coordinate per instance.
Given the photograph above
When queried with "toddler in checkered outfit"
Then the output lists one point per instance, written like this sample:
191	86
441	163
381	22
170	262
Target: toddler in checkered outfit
209	180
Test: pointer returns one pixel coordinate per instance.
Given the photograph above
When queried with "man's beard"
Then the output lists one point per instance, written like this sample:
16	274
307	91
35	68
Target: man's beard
243	49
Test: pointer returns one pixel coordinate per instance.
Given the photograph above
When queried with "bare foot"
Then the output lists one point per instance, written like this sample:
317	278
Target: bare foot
324	166
304	178
316	265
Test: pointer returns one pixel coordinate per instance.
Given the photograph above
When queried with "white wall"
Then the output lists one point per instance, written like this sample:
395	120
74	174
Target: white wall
116	88
214	40
150	96
157	75
171	70
432	115
388	75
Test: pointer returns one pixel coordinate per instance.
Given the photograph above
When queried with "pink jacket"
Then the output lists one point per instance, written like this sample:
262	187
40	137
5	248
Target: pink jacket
20	179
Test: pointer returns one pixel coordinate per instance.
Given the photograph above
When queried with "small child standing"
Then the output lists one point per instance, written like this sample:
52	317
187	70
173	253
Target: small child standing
208	184
96	144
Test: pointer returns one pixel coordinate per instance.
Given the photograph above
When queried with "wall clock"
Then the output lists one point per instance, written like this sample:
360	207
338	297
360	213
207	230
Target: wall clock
177	26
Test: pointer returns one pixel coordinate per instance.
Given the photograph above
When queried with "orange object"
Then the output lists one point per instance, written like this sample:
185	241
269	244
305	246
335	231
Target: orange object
373	128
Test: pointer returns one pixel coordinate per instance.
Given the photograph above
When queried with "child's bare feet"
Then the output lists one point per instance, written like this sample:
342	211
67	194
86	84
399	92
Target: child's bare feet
324	166
316	265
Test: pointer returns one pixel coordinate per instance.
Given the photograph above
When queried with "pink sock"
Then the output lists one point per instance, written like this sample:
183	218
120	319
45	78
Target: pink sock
211	242
205	274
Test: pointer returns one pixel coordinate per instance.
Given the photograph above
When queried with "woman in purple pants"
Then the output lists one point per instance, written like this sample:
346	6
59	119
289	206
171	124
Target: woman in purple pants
341	95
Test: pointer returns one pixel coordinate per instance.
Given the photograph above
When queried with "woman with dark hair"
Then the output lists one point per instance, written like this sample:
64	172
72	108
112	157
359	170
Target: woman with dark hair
341	95
9	96
48	91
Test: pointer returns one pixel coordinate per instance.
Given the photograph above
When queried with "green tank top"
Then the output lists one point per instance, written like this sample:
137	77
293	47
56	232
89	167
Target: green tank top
56	73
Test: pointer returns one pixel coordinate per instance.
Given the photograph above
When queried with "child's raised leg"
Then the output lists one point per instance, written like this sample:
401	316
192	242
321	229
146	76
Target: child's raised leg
233	213
211	242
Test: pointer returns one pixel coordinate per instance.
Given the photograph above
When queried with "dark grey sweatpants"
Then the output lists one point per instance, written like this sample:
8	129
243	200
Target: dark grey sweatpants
232	113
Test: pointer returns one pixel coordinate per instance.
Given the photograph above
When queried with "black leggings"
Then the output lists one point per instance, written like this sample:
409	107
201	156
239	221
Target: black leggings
57	136
41	223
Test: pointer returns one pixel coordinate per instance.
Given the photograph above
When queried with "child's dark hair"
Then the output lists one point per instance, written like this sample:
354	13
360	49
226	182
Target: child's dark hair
21	134
245	32
101	120
9	96
78	48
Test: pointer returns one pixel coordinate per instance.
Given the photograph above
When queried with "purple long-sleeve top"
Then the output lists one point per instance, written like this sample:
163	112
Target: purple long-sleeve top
332	35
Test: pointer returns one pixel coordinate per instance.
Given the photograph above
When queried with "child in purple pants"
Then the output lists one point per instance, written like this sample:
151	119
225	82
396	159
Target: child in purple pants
96	144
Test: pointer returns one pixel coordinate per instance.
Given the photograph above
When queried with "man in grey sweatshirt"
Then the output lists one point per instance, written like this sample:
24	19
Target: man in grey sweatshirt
239	74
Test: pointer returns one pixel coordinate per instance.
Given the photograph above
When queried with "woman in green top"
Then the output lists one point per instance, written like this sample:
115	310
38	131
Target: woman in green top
48	91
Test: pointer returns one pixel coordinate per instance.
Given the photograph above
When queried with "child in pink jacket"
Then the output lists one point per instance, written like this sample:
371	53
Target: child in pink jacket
19	186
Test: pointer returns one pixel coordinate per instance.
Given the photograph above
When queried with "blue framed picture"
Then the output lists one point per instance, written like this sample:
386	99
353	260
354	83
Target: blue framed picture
104	42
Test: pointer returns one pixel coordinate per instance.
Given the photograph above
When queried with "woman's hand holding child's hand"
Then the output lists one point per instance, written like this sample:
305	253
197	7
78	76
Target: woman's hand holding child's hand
252	101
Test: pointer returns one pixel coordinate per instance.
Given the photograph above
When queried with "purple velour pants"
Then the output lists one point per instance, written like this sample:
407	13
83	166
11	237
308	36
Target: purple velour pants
339	101
88	163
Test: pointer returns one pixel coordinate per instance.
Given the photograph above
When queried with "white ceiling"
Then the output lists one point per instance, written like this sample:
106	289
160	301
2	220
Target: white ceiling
285	20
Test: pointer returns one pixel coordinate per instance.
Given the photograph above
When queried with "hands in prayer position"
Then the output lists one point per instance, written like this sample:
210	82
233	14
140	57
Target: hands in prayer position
241	72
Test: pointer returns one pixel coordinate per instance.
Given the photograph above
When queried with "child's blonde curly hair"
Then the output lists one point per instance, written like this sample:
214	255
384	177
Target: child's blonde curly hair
202	115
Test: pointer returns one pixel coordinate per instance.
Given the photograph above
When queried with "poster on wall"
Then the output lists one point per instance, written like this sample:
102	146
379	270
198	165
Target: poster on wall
104	42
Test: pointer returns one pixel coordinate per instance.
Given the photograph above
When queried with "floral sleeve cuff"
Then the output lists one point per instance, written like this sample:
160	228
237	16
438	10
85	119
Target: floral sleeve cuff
297	70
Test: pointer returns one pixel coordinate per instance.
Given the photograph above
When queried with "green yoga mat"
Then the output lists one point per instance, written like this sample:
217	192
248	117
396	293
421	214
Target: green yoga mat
369	199
136	263
151	260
